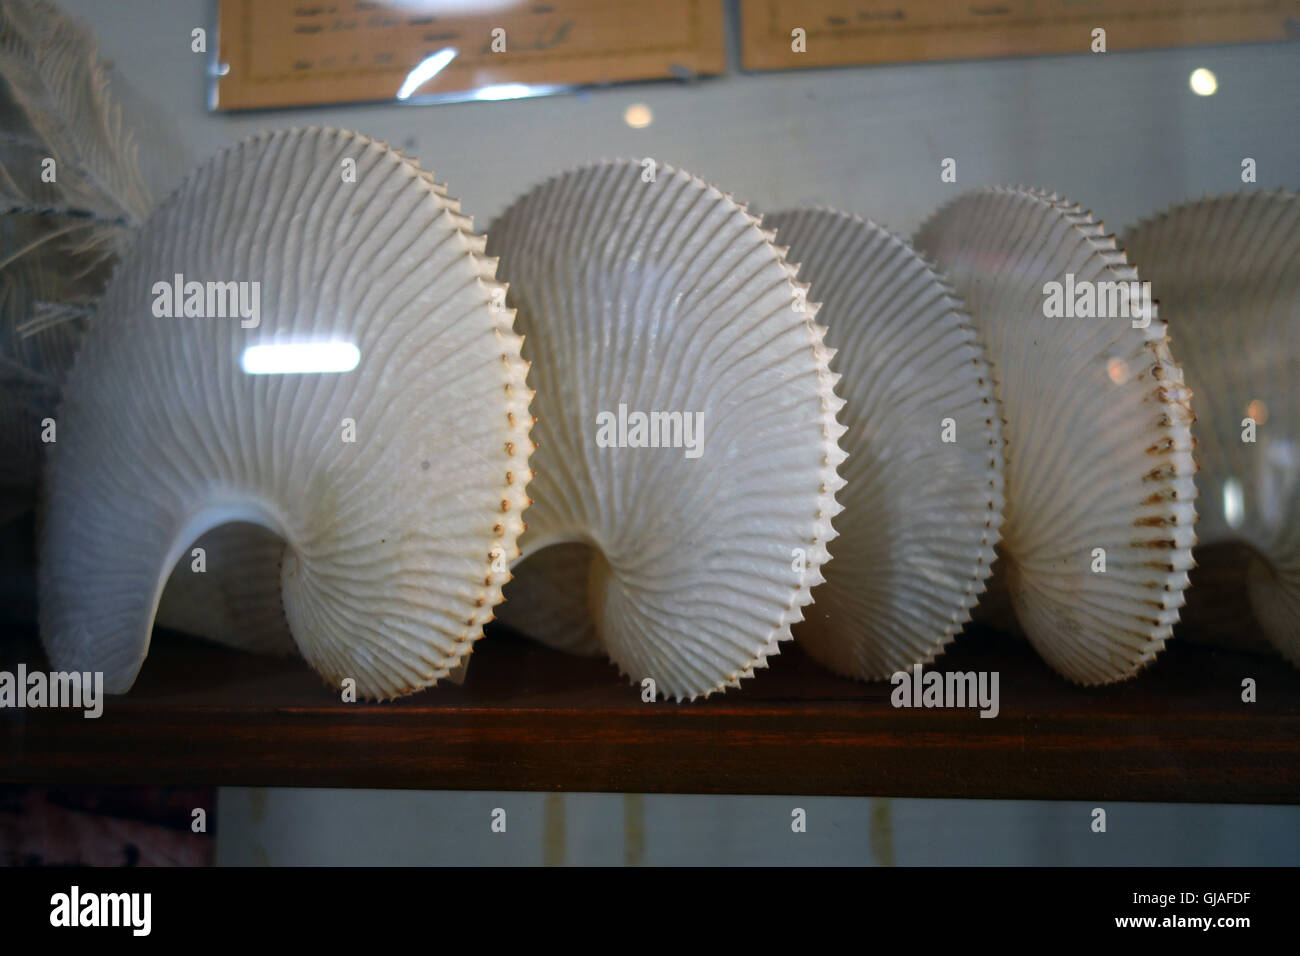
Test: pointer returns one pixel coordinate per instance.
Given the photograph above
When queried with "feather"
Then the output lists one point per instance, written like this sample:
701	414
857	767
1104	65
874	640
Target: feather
58	240
57	106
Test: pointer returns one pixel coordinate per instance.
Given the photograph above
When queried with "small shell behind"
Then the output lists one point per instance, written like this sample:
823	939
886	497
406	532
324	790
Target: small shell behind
547	599
921	512
1227	273
227	589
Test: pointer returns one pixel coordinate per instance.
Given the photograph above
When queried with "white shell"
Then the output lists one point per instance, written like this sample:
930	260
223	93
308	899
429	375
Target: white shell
664	295
1227	273
389	570
235	599
1099	448
921	514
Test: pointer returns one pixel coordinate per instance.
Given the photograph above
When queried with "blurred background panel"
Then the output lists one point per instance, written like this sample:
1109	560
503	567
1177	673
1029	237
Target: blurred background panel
106	826
420	828
1121	132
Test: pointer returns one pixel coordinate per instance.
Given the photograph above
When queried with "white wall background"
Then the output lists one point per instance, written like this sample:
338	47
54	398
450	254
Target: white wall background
1121	133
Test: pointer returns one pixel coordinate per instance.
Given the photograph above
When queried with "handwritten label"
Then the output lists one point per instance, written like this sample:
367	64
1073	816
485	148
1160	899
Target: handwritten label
276	53
842	32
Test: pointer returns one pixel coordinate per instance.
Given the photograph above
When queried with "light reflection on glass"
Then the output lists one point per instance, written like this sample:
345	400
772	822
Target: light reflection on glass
512	91
1233	504
1282	454
638	116
426	70
300	358
450	7
1203	82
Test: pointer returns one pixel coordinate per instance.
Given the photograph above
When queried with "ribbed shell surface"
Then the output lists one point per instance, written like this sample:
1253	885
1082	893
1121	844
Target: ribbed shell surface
923	493
1099	482
663	295
392	484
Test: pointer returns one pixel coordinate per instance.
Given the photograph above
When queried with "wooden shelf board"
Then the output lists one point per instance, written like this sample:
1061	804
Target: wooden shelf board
528	718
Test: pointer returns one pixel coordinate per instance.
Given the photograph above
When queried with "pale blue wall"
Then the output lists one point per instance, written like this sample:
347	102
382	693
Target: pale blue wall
413	828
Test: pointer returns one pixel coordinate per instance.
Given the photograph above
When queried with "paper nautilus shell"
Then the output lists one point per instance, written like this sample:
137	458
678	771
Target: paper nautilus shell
1227	273
1100	496
396	486
686	426
923	494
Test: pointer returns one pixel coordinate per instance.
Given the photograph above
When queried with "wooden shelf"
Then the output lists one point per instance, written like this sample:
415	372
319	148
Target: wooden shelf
529	718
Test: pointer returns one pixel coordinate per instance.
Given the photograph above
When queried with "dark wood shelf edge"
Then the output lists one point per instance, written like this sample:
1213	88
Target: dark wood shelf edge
532	719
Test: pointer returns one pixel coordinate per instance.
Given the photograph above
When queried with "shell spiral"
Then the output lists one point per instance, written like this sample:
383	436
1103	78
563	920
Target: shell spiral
660	295
1100	496
1227	273
923	494
395	486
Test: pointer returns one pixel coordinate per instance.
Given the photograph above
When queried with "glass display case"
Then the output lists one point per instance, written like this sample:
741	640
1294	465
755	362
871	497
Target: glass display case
724	401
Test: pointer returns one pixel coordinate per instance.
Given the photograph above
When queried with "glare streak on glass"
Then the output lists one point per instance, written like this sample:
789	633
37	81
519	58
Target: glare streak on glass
511	91
300	358
426	70
1233	503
